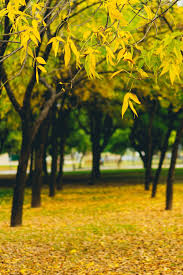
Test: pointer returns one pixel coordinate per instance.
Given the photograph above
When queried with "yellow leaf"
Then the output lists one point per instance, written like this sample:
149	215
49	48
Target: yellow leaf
40	60
51	40
86	35
121	54
140	48
37	75
110	56
132	108
149	13
34	39
42	69
3	12
29	51
134	98
37	35
165	70
44	24
125	104
55	46
128	57
178	55
116	14
25	39
59	39
35	24
142	73
173	72
75	51
67	55
114	74
23	271
73	251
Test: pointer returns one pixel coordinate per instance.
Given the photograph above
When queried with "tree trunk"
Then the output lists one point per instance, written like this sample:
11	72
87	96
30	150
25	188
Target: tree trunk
80	161
96	160
53	177
162	157
143	158
171	171
18	195
37	180
39	145
45	168
31	169
60	175
95	125
148	172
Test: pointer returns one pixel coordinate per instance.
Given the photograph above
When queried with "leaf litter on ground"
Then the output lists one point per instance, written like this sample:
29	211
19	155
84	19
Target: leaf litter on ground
103	229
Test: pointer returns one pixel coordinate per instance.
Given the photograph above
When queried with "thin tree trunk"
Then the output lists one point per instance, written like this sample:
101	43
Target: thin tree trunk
45	168
95	125
148	172
162	157
31	161
143	158
96	160
171	171
39	145
60	175
80	161
18	195
37	182
31	169
53	177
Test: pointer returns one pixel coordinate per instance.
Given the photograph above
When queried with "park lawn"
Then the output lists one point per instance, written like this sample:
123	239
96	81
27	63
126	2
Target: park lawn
103	229
7	167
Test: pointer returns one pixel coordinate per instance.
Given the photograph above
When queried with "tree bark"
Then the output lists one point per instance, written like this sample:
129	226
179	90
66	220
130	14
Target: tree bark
162	157
81	160
37	179
45	169
60	174
96	160
171	171
18	195
53	177
148	172
31	169
95	124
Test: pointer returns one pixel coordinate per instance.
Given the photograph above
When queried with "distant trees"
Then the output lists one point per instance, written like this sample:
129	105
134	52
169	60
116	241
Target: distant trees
147	134
119	141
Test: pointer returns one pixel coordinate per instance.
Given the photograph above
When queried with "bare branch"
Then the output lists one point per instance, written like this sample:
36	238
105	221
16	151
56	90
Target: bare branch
45	112
10	93
48	86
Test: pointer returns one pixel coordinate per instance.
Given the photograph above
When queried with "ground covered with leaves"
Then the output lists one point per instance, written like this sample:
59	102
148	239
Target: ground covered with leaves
103	229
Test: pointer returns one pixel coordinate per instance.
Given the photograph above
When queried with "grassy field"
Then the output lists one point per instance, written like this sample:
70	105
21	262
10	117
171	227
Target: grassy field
110	228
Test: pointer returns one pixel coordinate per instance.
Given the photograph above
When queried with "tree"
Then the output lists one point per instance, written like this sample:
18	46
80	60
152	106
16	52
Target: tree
171	171
98	109
170	119
147	134
29	30
119	142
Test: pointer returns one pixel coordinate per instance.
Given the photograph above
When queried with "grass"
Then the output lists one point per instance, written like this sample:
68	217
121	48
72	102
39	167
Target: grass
7	167
104	229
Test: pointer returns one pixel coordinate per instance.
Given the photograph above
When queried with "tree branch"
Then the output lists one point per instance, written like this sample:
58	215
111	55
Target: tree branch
45	112
10	93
